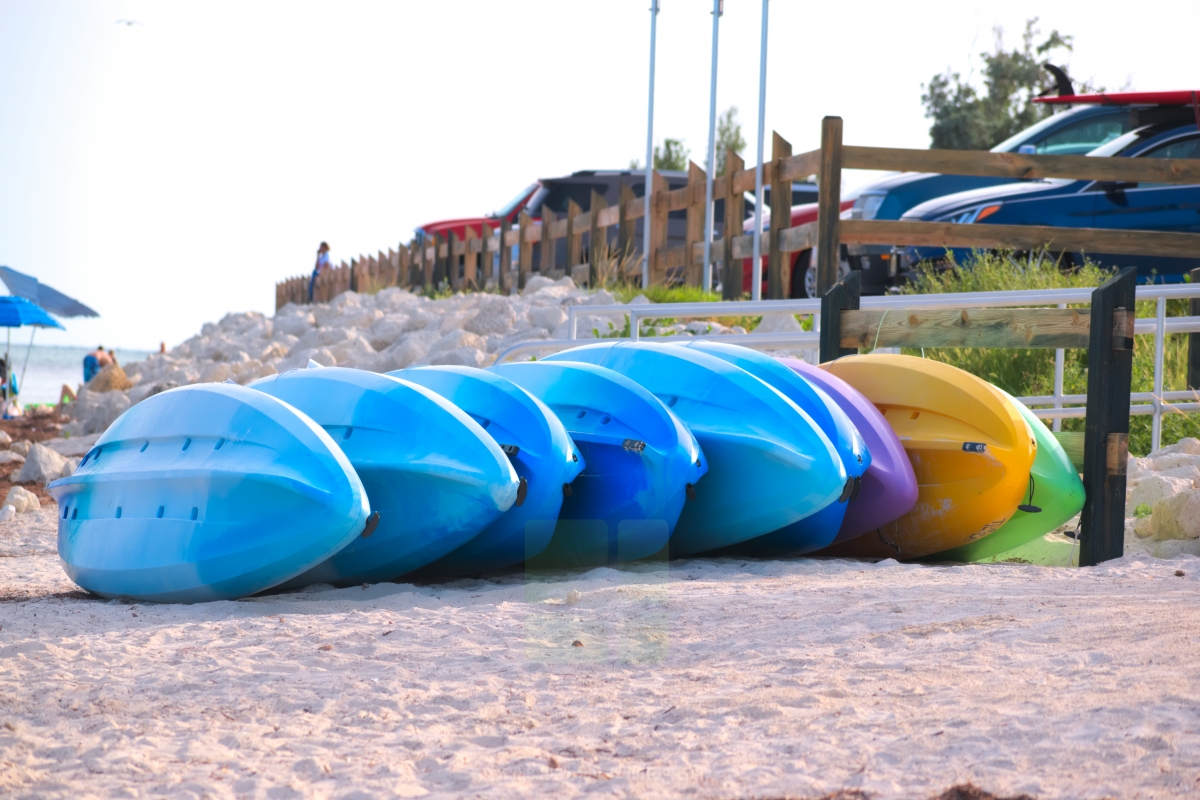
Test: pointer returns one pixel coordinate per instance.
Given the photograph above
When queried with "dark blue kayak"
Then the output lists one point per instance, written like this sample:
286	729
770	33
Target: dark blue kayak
769	464
539	448
434	476
820	529
641	463
206	492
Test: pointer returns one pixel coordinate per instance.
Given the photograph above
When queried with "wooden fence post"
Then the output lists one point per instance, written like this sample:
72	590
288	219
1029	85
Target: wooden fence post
574	238
779	278
505	257
452	262
656	211
427	261
403	267
1106	434
843	296
549	244
439	260
695	223
487	264
1193	371
597	241
626	227
470	260
735	208
524	249
829	204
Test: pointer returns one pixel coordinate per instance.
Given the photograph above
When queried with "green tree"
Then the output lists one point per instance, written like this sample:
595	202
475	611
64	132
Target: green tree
671	156
963	119
729	135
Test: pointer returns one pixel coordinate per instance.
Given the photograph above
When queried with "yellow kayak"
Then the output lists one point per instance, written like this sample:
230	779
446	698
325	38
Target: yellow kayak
971	450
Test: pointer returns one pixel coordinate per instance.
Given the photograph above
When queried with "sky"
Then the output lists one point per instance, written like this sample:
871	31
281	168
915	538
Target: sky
170	171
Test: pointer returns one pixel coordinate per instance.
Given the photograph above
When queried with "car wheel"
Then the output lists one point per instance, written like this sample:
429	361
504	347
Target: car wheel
810	276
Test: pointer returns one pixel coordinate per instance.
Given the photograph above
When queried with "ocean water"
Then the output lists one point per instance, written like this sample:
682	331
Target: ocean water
52	366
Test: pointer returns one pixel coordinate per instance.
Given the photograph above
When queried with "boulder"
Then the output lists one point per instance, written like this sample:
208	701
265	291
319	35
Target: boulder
1138	468
1173	460
5	439
1178	516
10	457
7	514
384	333
460	357
410	349
453	341
22	500
1150	490
548	317
779	323
21	446
73	446
42	465
536	284
356	352
111	378
1187	473
1188	446
217	373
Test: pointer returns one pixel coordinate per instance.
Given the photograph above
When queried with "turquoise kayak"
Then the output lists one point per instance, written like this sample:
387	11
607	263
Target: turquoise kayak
820	529
206	492
769	464
433	475
539	448
641	463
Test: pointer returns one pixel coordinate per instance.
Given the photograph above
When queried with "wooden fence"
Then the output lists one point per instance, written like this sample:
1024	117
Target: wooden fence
470	262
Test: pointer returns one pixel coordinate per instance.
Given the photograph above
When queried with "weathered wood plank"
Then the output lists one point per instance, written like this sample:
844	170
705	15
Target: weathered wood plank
735	206
524	249
696	185
550	238
471	259
797	168
658	229
839	302
829	199
778	272
574	235
626	227
597	238
977	327
1020	237
801	237
1016	165
608	216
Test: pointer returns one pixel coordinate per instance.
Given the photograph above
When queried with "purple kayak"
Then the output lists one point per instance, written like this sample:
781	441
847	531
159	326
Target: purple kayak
889	487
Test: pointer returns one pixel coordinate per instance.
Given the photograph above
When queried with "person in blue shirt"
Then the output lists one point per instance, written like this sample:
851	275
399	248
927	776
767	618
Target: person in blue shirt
321	265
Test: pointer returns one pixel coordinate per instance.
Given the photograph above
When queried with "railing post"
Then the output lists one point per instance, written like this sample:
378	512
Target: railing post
696	187
829	204
1193	368
549	258
779	279
1160	337
574	239
656	213
524	249
735	208
597	240
1060	363
1106	437
843	296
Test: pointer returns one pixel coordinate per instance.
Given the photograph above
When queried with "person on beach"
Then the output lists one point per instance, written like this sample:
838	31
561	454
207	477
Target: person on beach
321	265
95	361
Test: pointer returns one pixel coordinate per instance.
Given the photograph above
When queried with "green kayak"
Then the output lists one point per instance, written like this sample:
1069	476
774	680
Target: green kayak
1054	487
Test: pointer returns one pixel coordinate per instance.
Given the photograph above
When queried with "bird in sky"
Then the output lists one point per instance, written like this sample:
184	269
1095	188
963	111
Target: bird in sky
129	23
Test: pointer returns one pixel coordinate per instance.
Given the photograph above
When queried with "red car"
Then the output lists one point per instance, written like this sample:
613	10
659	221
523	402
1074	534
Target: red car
804	266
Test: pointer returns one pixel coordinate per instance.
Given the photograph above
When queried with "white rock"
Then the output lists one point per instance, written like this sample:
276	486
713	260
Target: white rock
5	439
410	349
497	343
10	457
1138	468
7	513
536	284
1188	445
1173	460
74	446
639	300
778	323
22	500
495	315
460	357
737	329
21	446
70	467
217	373
42	465
1187	473
1144	527
454	340
1150	490
357	353
1178	517
602	297
548	317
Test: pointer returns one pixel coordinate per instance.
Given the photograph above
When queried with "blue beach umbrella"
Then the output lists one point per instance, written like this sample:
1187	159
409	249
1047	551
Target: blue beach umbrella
16	312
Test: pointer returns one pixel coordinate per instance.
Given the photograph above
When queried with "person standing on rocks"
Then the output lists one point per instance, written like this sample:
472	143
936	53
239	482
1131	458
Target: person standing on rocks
95	361
321	265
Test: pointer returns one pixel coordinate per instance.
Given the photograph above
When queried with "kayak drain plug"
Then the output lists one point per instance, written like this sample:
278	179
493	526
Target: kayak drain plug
691	491
372	524
522	490
567	490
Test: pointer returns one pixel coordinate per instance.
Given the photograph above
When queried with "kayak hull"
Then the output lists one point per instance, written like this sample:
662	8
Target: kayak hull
433	475
206	492
536	444
625	503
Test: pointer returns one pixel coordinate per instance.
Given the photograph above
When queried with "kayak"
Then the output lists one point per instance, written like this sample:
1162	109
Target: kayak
820	529
769	464
206	492
640	464
889	487
434	476
971	452
539	448
1055	495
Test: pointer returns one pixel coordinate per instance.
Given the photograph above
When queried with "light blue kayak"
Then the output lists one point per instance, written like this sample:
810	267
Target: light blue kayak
433	475
206	492
769	464
641	463
539	448
820	529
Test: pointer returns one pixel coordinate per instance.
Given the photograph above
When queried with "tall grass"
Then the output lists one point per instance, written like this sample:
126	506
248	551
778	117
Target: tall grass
1031	372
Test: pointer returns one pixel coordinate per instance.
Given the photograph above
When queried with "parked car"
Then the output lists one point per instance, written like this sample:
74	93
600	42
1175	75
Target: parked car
803	262
1092	122
1086	204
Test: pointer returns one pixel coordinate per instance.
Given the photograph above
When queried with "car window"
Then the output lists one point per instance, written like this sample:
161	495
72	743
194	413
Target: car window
1179	148
560	194
1083	136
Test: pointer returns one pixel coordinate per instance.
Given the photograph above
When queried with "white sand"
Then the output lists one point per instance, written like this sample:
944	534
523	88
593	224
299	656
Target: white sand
710	679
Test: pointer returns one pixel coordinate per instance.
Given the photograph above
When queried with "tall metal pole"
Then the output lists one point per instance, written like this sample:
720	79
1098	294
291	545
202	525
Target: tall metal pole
647	216
756	264
706	280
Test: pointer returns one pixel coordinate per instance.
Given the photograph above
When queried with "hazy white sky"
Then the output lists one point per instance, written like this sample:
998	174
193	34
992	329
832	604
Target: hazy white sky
171	171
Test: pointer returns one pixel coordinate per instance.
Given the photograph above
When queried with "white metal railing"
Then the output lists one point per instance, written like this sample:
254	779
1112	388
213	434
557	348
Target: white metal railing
1154	403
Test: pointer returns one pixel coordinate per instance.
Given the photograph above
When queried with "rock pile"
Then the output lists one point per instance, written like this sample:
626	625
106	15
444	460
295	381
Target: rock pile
1167	483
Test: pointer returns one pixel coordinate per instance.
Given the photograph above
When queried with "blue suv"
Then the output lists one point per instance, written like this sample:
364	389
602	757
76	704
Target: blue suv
1085	204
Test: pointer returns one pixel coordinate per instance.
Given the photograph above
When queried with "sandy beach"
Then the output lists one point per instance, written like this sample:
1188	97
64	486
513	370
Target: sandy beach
722	678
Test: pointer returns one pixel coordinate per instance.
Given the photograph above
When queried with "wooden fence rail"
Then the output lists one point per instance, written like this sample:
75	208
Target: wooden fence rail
487	255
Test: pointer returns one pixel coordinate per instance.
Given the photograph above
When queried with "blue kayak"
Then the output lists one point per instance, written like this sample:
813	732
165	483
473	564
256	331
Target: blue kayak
206	492
434	476
539	448
769	464
820	529
641	463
